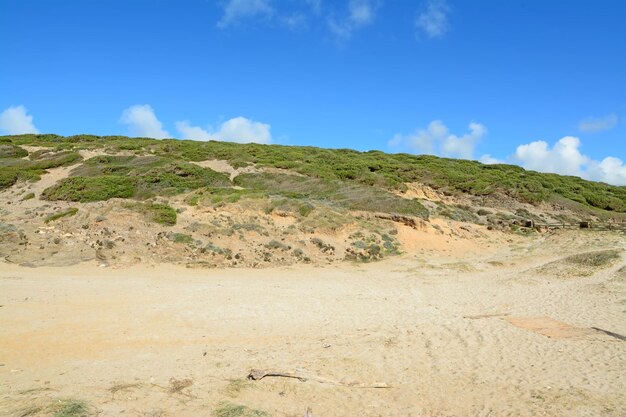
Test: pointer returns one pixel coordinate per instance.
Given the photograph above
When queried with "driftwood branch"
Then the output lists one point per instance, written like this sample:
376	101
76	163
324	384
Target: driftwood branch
258	374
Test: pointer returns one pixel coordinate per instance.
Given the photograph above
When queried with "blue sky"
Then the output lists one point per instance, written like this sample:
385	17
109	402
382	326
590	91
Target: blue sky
538	83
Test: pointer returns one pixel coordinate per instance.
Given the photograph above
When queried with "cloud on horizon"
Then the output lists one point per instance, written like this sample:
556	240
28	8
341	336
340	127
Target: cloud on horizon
142	121
238	129
433	19
598	124
15	120
436	139
565	158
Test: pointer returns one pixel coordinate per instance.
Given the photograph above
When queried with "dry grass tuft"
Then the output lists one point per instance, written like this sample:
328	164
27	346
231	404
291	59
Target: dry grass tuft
122	387
178	385
70	408
594	259
31	410
236	410
236	386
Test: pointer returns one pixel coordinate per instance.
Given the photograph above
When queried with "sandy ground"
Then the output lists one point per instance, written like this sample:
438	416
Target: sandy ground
447	333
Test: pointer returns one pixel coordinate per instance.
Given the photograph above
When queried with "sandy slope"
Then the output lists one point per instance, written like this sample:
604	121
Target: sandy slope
408	321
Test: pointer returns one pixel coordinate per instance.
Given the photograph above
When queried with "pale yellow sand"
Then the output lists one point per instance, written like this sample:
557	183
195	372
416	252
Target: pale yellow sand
437	330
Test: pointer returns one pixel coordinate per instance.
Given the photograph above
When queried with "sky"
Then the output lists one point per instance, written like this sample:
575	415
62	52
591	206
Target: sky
541	84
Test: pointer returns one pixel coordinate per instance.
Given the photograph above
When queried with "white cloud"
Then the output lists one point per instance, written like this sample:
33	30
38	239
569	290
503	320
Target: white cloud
463	146
433	20
436	139
610	170
142	121
192	132
237	129
236	10
598	124
487	159
300	14
15	120
360	14
566	158
295	20
563	158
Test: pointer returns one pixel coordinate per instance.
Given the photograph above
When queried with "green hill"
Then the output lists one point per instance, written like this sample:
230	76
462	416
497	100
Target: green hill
356	180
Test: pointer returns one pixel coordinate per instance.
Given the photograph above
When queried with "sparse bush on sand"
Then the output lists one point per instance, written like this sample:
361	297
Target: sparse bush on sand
156	212
235	410
69	212
594	259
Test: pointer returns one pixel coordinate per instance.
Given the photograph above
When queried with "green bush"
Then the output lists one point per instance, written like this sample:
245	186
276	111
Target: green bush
158	213
13	169
153	175
8	177
70	408
180	238
87	189
274	244
12	151
69	212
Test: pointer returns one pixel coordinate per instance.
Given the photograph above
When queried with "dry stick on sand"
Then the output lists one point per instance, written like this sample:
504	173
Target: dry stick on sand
615	335
257	374
486	316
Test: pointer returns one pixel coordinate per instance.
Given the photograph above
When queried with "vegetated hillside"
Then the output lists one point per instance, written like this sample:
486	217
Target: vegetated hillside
373	168
220	203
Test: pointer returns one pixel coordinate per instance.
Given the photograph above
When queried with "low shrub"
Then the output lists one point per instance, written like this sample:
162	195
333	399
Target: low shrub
274	244
88	189
594	259
156	212
69	212
12	151
180	238
234	410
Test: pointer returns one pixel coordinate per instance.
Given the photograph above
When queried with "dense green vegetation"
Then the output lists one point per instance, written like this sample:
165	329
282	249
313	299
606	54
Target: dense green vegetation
11	151
158	213
14	168
87	189
343	193
334	175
